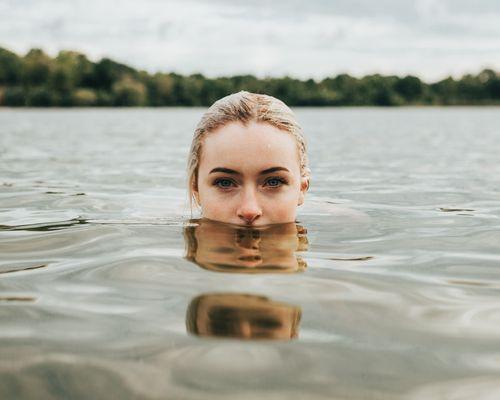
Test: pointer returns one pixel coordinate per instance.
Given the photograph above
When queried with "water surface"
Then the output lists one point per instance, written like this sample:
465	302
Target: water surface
387	288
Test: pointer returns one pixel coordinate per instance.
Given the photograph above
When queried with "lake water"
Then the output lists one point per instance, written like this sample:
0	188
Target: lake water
387	288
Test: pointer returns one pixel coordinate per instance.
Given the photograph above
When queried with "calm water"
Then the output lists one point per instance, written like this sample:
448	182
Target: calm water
387	288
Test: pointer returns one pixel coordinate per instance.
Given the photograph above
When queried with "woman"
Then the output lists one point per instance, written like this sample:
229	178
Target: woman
248	163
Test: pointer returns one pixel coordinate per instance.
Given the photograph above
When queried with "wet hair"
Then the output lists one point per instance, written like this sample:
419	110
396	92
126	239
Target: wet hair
244	107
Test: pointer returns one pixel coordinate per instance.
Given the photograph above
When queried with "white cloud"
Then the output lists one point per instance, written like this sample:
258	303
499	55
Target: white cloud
316	38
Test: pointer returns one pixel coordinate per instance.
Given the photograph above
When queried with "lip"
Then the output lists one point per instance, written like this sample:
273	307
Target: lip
250	258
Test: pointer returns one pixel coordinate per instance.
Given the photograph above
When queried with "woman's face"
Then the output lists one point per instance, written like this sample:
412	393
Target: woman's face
250	175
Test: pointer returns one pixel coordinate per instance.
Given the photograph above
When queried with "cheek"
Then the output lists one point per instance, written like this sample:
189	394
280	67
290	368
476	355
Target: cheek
285	212
215	210
282	208
213	205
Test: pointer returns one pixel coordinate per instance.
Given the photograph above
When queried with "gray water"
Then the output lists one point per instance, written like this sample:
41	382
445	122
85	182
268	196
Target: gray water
388	287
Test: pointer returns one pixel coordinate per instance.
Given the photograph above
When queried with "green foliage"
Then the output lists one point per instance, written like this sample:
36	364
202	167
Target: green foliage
76	67
71	79
36	68
40	96
10	68
160	90
410	88
13	96
84	98
128	92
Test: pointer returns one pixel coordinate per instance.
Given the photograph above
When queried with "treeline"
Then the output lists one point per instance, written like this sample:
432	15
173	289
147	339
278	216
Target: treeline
71	79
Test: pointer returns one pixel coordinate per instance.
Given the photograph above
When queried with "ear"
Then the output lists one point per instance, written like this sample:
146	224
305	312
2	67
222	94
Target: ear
304	186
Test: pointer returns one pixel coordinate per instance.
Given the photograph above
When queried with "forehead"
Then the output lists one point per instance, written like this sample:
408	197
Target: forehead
256	146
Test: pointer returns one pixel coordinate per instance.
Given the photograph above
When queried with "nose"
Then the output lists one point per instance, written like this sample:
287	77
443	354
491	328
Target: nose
248	239
249	210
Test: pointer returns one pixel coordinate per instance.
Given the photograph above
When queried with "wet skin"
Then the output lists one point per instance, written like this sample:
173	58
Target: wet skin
250	175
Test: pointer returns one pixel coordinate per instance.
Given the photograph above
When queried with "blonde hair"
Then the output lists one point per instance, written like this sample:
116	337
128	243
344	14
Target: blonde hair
244	107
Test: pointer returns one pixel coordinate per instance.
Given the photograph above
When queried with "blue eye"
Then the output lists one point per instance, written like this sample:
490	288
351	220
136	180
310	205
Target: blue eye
224	183
275	182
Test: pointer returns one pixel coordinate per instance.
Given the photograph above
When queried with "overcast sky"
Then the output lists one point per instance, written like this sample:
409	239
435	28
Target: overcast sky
304	39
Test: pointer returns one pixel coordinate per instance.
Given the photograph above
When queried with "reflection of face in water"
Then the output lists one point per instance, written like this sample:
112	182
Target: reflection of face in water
229	248
242	316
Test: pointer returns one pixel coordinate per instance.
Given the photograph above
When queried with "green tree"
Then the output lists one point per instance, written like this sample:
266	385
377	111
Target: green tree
104	74
71	79
445	91
84	97
410	88
76	67
10	68
244	82
347	89
160	89
40	96
187	90
13	96
36	68
128	92
213	89
491	81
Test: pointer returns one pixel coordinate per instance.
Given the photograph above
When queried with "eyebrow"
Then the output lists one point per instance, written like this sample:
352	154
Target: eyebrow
233	172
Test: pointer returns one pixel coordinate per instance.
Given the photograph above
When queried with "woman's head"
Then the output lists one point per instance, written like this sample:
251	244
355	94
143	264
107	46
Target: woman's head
248	163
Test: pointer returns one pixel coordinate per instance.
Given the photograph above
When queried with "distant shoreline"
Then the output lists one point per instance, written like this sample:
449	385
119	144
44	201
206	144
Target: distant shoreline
159	108
71	80
310	107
